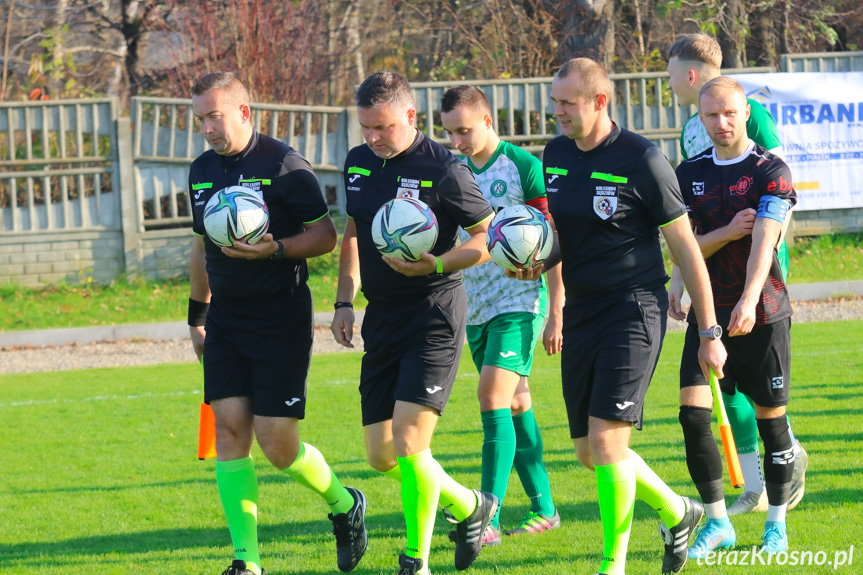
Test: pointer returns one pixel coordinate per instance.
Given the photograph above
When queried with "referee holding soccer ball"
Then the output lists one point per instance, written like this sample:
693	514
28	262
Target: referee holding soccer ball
256	329
414	325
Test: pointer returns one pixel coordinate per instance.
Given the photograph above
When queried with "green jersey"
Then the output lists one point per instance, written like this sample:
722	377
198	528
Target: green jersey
512	176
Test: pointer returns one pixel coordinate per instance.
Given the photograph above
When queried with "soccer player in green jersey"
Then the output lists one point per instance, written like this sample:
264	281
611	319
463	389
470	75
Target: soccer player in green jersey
694	60
505	316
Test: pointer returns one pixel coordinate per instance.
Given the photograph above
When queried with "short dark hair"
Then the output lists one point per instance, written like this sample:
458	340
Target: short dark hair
722	84
464	96
594	79
698	47
228	82
384	88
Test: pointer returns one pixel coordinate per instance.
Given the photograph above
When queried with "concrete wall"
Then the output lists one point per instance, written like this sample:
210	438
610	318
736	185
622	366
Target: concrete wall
71	256
165	253
820	222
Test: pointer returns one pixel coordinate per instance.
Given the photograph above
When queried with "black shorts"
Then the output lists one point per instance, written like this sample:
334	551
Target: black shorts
758	365
260	349
412	352
610	351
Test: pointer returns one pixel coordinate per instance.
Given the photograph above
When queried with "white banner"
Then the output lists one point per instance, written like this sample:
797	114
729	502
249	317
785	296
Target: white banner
820	122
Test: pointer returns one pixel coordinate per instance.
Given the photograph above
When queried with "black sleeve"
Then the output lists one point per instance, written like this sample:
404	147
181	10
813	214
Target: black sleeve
461	197
773	178
661	192
684	181
197	211
299	189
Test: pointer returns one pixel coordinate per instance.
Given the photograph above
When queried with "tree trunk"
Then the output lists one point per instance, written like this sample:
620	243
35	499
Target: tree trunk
783	12
729	33
131	28
761	46
588	31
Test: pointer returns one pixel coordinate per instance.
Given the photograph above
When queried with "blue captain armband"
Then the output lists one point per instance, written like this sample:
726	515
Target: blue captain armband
773	208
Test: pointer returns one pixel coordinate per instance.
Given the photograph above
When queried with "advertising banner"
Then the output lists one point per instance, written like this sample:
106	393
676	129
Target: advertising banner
820	122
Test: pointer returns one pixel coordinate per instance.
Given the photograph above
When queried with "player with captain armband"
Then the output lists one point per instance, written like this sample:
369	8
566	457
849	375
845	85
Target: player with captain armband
750	298
694	60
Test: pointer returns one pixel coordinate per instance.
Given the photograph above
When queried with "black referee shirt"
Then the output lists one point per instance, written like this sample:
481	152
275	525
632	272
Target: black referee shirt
608	204
714	191
426	171
293	196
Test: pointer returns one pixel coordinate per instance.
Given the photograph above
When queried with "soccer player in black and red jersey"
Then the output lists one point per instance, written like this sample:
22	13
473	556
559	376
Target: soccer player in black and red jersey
750	299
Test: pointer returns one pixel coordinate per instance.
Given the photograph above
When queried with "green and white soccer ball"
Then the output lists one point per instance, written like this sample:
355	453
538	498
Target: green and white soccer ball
234	214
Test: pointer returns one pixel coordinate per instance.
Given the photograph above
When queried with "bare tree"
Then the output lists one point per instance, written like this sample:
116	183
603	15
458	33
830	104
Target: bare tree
588	30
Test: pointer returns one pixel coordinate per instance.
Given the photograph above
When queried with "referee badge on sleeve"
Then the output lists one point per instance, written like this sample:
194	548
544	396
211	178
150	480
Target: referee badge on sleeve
605	201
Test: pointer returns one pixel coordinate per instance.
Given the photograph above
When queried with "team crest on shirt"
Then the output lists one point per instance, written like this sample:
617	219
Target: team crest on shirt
742	186
410	187
697	188
605	201
498	188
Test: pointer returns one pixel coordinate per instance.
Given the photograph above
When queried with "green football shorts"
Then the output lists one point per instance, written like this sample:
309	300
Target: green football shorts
506	341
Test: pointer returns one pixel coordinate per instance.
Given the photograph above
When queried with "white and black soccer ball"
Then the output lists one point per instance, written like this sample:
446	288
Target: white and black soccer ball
404	228
519	237
234	214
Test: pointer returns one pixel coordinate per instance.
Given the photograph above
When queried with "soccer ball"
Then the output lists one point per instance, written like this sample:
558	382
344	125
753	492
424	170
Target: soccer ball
404	228
236	213
519	237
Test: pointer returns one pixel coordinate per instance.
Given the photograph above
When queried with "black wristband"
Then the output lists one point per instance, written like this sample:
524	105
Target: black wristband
280	251
197	313
341	304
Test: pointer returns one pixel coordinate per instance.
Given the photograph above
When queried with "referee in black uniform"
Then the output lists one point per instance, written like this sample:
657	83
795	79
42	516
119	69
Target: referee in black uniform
610	192
414	325
250	318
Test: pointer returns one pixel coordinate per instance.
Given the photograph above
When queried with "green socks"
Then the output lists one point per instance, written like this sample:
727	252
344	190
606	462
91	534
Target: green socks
238	490
615	485
421	484
498	452
311	470
741	416
454	496
460	500
653	491
529	465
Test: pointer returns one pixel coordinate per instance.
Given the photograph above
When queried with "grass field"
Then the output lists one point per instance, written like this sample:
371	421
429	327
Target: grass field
99	472
821	259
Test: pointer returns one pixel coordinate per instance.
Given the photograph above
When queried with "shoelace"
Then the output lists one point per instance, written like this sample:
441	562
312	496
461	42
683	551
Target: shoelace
342	531
772	537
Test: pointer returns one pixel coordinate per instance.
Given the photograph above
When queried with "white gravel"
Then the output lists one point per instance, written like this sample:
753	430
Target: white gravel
128	353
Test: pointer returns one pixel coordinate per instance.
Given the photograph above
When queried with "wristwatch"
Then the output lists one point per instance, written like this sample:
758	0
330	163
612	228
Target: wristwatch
714	332
280	251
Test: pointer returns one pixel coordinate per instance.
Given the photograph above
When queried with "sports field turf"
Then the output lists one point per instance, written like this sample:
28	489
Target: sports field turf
99	474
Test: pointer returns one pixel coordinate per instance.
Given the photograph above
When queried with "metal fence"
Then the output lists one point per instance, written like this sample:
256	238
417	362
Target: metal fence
642	102
81	187
167	139
59	166
822	62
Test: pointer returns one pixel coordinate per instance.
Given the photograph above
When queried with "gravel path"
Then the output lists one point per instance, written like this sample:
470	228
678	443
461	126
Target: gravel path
128	353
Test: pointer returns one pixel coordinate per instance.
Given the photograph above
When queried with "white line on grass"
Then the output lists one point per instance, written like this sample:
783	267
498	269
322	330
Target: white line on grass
27	402
95	398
